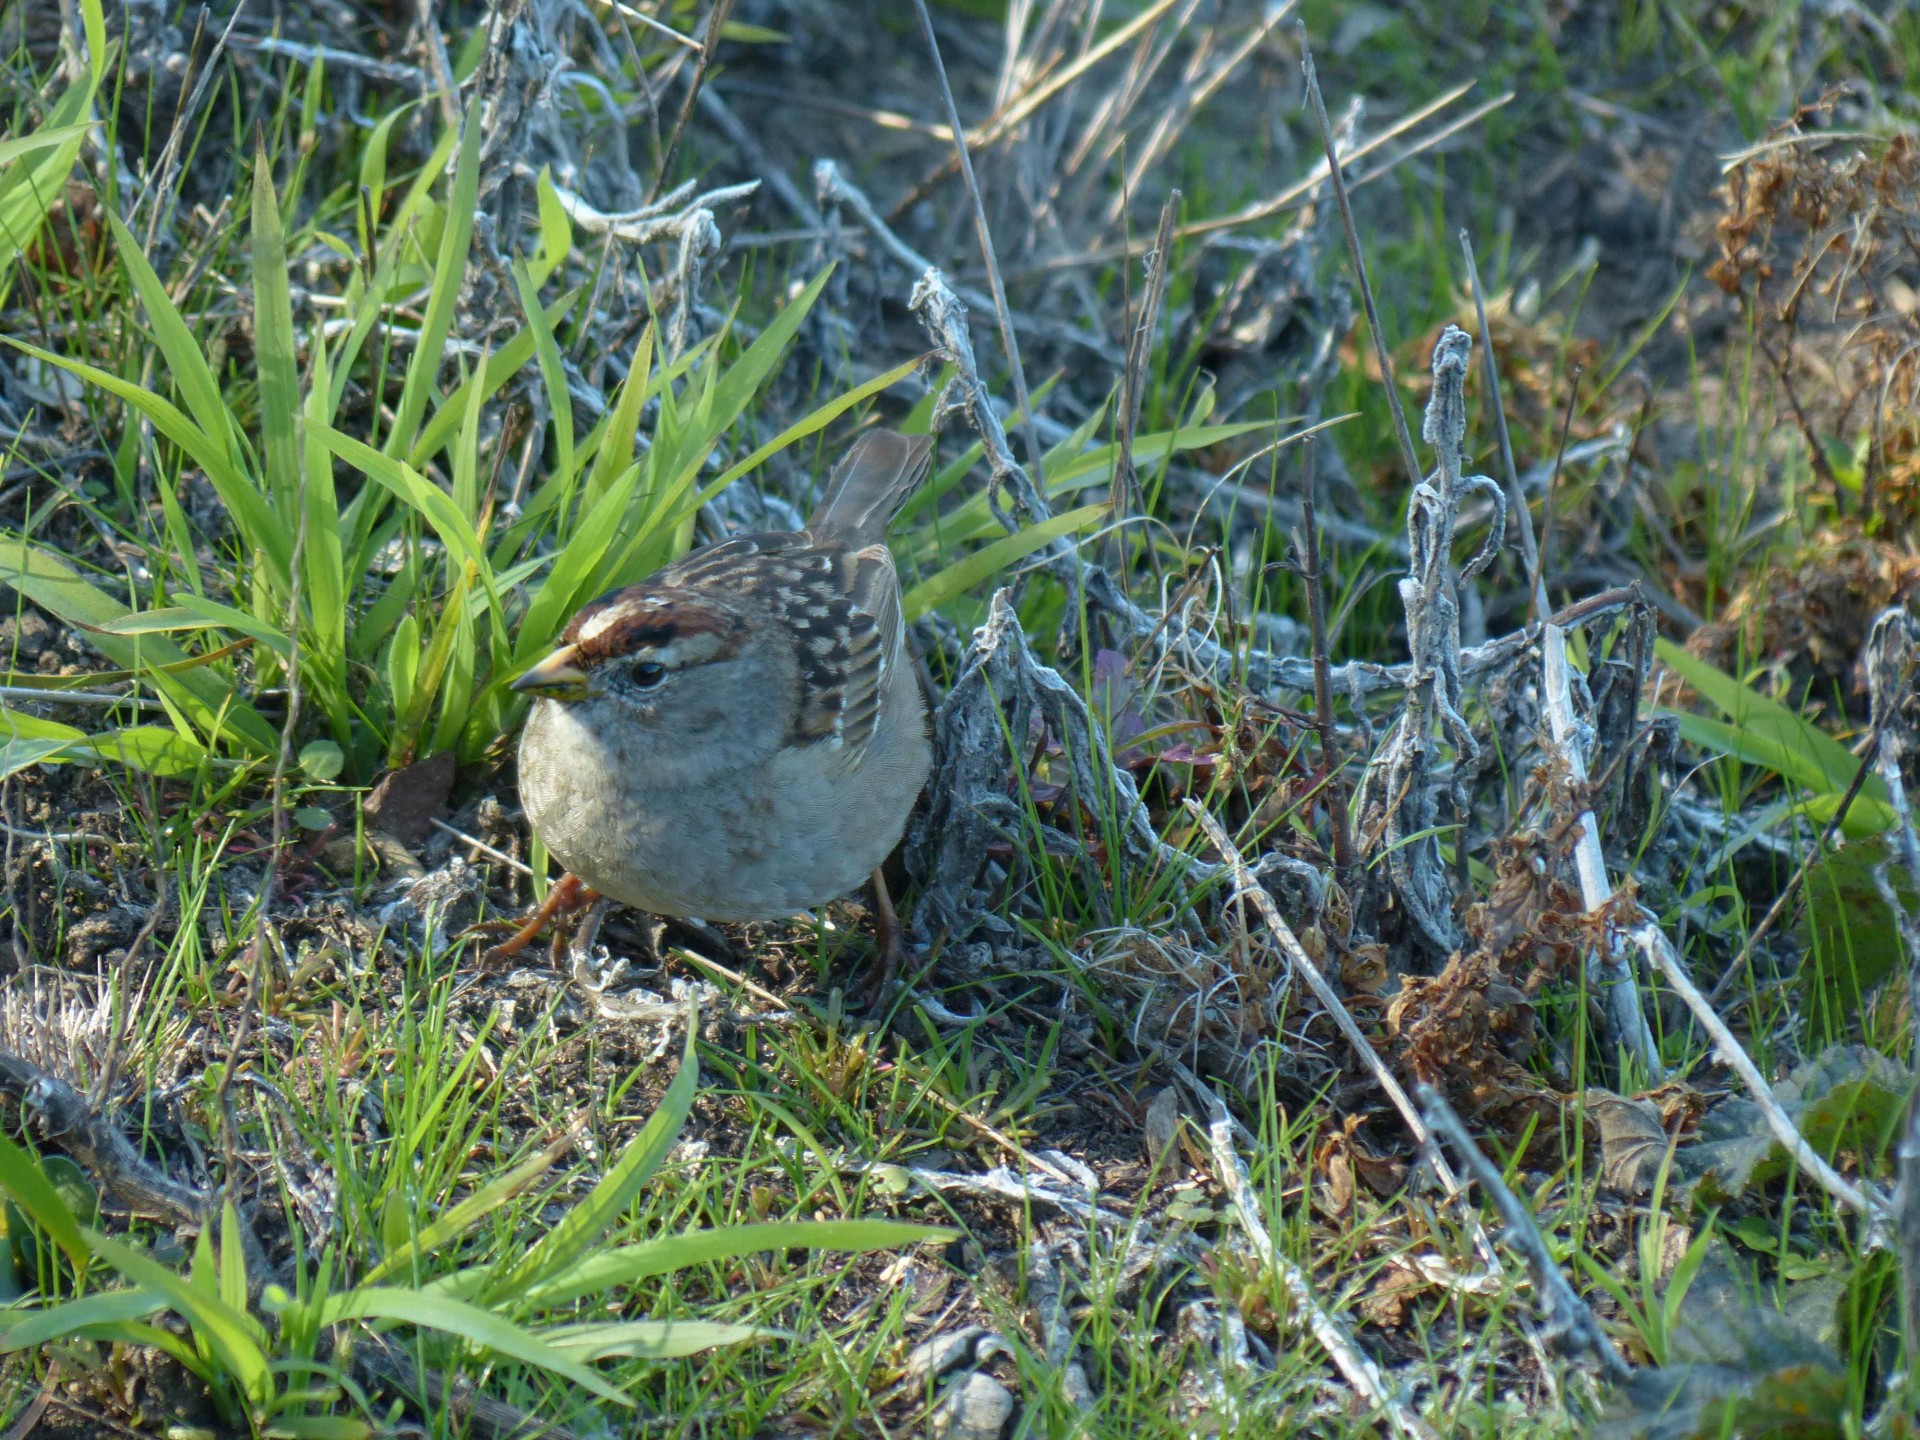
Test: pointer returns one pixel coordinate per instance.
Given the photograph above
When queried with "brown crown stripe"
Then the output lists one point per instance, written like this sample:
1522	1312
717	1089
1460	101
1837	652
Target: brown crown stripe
642	617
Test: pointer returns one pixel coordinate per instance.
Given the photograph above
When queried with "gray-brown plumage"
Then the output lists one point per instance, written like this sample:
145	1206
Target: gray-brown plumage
738	737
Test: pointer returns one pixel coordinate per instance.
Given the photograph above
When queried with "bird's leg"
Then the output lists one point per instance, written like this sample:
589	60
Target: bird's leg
891	944
569	893
579	951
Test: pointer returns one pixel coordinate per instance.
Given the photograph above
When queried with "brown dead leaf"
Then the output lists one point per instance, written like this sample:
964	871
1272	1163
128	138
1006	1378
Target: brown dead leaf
1333	1161
1386	1303
1632	1140
1363	969
407	801
1162	1123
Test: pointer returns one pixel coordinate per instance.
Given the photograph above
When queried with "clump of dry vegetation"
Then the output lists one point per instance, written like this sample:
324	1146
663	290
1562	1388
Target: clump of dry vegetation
1415	924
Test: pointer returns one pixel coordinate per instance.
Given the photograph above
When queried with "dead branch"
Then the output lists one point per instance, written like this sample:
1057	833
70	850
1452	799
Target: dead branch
1570	1325
1613	972
1349	1359
1401	787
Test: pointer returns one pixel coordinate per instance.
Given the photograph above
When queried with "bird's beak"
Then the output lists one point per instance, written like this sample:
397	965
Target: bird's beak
556	677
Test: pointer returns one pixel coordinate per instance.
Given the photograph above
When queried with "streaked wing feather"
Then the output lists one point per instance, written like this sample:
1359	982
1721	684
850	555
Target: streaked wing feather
843	608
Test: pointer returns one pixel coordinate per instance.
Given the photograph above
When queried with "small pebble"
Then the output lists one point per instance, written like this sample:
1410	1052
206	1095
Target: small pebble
975	1408
934	1357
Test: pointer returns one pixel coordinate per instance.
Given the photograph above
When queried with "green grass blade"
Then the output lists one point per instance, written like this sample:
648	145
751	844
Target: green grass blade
197	613
423	370
248	509
28	1185
233	1336
483	384
274	345
552	372
12	151
58	1322
463	1216
651	1339
433	504
178	347
616	445
587	1221
630	1264
52	584
556	229
322	569
1767	734
469	1322
990	560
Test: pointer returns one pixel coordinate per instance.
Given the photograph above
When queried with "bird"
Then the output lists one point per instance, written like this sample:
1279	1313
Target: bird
742	735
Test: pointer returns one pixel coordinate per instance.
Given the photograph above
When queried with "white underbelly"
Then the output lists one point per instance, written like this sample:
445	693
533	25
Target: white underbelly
759	845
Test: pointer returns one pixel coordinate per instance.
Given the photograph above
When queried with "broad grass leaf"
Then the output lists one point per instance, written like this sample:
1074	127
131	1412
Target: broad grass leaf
58	1322
251	515
990	560
587	1221
423	370
651	1339
192	376
235	1338
630	1264
1766	733
29	1188
274	345
470	1322
556	229
56	587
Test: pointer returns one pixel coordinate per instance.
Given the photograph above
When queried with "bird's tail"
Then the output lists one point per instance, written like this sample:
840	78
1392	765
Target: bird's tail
867	488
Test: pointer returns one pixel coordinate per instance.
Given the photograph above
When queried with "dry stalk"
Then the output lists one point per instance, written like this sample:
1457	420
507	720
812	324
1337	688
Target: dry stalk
1864	1200
1310	576
1352	1362
983	232
1570	1325
1612	971
832	188
1339	187
1627	1018
709	44
1401	782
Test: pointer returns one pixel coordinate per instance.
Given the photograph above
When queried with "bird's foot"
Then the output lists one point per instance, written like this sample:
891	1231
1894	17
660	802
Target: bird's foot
568	894
890	944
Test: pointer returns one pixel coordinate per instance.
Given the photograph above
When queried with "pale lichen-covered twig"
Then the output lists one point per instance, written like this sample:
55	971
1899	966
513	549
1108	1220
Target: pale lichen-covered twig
60	1114
1400	785
982	732
1627	1019
1892	663
1864	1200
1570	1324
833	188
1015	499
1353	1363
677	216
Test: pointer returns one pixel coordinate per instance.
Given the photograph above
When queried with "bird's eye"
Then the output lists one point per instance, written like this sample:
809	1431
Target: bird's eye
648	674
